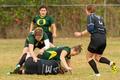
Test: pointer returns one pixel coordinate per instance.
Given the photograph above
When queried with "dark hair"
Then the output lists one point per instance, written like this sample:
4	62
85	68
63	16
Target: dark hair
77	48
43	6
91	8
38	31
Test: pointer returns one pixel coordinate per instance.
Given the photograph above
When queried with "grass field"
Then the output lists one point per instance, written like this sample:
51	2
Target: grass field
10	50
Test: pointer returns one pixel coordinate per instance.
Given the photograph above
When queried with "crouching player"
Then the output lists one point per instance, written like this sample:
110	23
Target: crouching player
35	39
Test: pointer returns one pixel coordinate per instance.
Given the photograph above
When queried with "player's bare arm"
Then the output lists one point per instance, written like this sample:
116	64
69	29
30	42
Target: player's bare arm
69	62
31	46
79	34
62	58
53	26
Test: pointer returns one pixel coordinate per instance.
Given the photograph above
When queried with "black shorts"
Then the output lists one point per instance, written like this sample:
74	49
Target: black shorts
97	43
50	36
41	66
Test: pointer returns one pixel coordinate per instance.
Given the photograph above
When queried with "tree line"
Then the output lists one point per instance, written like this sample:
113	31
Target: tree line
15	20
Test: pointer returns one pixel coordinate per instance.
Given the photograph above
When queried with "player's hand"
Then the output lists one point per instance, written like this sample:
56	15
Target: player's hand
35	59
78	34
69	68
54	35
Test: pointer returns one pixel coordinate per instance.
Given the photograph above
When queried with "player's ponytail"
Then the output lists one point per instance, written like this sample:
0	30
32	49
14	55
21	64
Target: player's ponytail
77	48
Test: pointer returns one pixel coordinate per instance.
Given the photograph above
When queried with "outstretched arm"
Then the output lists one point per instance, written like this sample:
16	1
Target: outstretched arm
79	34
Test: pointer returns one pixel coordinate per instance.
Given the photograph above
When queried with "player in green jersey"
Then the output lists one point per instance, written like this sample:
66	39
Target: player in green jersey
61	54
45	22
35	39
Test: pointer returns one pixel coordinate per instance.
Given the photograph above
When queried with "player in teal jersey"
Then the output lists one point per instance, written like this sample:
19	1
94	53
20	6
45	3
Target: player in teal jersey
97	45
45	22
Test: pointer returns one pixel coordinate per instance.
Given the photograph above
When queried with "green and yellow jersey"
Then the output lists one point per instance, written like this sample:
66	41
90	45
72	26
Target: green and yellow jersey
43	22
31	39
55	52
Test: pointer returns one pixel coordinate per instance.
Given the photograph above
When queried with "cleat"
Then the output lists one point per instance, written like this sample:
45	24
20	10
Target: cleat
113	67
9	73
17	69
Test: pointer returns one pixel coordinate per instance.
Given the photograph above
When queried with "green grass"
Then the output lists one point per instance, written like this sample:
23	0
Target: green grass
10	50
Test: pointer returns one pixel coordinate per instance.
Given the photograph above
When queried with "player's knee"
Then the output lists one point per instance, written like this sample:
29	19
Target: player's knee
97	58
89	59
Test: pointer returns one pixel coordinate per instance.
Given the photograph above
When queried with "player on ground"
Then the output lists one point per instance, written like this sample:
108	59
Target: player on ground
96	27
45	22
40	67
51	57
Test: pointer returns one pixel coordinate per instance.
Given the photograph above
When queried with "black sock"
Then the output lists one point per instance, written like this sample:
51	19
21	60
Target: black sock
93	66
22	60
104	60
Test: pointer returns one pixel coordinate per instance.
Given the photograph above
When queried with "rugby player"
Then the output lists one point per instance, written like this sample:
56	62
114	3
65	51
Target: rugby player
97	45
61	54
35	39
44	21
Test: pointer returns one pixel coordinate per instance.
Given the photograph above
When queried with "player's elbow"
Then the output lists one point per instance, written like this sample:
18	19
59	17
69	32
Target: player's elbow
90	27
61	58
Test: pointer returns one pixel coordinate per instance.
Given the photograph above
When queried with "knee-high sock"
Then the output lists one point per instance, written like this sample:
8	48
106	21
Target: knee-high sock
22	60
104	60
93	66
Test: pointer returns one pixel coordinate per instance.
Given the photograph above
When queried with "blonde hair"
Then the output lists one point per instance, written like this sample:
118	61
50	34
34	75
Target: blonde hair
38	31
